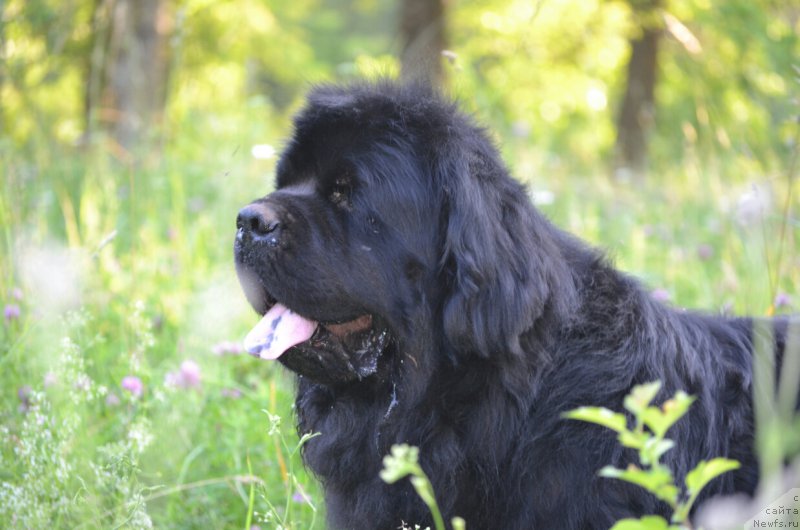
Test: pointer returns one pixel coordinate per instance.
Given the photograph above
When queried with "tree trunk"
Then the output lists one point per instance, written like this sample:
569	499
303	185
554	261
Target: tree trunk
422	29
95	64
132	62
637	113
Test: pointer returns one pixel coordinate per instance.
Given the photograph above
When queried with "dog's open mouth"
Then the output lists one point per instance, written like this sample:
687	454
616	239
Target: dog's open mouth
324	352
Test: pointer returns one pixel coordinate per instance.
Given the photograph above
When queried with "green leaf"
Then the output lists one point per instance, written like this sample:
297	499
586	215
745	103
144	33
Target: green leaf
656	421
657	481
706	471
641	396
648	522
651	479
668	493
696	480
654	449
600	416
675	408
659	420
634	440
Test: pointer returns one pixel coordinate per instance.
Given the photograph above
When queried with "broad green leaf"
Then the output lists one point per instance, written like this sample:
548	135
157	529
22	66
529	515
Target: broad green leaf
675	408
654	449
599	415
706	471
634	440
696	480
641	396
659	420
655	421
668	493
651	479
611	472
648	522
657	481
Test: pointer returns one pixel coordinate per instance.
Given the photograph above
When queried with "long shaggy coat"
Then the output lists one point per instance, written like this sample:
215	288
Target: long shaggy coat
424	300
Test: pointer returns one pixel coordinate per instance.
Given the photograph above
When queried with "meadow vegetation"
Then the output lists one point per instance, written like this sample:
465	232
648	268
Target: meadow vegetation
126	400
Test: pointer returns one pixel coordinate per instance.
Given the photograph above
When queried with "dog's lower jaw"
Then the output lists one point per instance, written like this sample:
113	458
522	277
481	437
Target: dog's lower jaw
331	360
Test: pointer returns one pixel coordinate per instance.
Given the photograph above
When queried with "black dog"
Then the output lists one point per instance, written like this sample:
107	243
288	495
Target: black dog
421	299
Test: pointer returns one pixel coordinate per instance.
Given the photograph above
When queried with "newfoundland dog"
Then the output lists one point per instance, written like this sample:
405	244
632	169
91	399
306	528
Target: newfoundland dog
420	298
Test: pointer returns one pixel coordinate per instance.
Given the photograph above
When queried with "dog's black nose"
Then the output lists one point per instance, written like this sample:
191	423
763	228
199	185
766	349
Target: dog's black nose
258	222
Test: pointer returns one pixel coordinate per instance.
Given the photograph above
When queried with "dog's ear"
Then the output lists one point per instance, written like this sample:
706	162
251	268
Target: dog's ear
502	267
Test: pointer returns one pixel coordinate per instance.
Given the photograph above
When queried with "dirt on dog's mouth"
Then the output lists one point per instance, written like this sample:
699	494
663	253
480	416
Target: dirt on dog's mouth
329	358
335	352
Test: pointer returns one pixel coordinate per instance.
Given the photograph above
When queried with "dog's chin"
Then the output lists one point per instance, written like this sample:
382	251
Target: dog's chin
340	353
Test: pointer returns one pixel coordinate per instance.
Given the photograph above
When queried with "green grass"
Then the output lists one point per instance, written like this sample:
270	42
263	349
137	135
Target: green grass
126	270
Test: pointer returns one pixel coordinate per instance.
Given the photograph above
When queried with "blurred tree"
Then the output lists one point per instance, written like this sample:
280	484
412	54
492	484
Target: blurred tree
128	67
552	74
422	29
729	86
637	111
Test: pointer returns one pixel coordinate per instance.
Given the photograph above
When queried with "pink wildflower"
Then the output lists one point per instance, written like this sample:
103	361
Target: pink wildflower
227	347
190	373
133	384
782	300
50	379
231	393
12	312
24	394
705	252
187	377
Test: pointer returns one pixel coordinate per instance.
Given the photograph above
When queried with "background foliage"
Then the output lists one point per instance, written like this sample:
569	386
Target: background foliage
125	401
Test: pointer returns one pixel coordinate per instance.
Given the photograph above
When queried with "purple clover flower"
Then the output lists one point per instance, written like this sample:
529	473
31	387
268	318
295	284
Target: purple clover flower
133	384
300	497
190	373
227	347
11	312
231	393
705	252
188	376
24	394
50	379
782	300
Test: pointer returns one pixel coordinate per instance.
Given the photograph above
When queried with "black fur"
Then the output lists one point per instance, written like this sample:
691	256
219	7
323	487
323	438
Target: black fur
392	203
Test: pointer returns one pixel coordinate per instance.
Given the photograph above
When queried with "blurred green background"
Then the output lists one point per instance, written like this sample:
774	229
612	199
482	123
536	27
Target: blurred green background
664	131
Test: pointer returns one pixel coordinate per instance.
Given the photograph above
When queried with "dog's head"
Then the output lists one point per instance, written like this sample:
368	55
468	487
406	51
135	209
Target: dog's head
393	224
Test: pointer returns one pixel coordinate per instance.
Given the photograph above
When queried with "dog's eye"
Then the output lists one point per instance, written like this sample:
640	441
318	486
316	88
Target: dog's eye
340	192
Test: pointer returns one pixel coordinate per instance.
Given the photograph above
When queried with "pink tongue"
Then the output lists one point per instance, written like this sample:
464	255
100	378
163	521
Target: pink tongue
278	330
